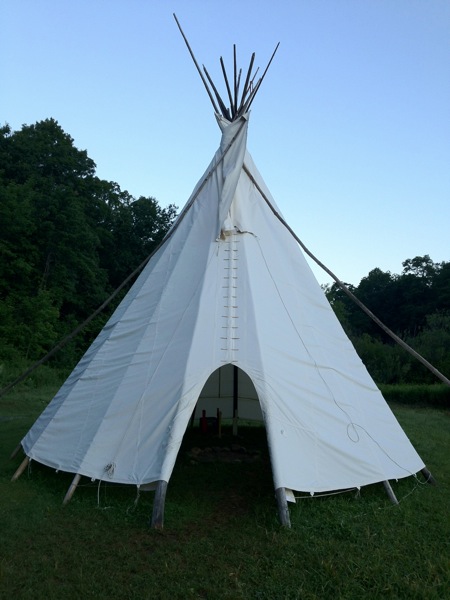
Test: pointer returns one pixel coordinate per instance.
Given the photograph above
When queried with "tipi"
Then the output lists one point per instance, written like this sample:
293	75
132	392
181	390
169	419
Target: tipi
229	291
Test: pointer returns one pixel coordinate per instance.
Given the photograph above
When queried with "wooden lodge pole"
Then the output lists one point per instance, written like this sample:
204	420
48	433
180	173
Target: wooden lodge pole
390	492
283	510
428	476
16	451
23	465
158	505
72	488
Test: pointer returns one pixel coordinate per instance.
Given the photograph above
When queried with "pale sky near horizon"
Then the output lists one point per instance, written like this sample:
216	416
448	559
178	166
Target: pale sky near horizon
350	129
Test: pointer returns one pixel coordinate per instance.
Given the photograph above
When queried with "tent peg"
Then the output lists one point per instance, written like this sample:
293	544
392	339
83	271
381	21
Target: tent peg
390	492
428	476
283	510
23	465
72	488
158	505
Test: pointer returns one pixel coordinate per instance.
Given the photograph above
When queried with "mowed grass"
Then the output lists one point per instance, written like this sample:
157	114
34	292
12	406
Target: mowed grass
221	537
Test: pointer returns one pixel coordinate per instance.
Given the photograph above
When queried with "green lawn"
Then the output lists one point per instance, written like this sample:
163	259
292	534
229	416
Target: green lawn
222	538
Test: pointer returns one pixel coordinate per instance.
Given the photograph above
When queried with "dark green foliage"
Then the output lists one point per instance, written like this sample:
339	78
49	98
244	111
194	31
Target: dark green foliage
433	342
68	240
414	305
385	362
436	395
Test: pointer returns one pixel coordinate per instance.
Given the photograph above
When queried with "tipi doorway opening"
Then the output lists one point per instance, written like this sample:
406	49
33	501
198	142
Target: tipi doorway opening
232	465
228	397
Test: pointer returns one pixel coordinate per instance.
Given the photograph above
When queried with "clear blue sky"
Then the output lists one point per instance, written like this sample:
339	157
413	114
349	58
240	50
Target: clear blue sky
350	130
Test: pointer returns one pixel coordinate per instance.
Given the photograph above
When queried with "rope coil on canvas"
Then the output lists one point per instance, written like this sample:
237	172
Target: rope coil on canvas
352	426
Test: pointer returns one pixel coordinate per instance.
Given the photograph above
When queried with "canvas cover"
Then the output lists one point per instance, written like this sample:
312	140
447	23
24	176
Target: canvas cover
230	286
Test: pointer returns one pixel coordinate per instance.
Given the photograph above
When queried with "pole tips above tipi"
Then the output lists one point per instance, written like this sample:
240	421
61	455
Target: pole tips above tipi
239	101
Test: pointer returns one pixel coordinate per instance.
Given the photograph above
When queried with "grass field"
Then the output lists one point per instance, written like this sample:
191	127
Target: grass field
222	538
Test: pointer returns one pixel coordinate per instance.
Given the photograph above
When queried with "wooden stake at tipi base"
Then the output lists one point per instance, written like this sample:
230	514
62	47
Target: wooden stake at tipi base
72	488
24	464
428	476
158	505
283	509
390	492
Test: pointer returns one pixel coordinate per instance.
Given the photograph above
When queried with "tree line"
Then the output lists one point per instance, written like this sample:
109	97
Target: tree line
69	239
414	304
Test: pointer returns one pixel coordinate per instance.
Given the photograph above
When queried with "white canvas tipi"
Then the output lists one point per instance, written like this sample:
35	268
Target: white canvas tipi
228	287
